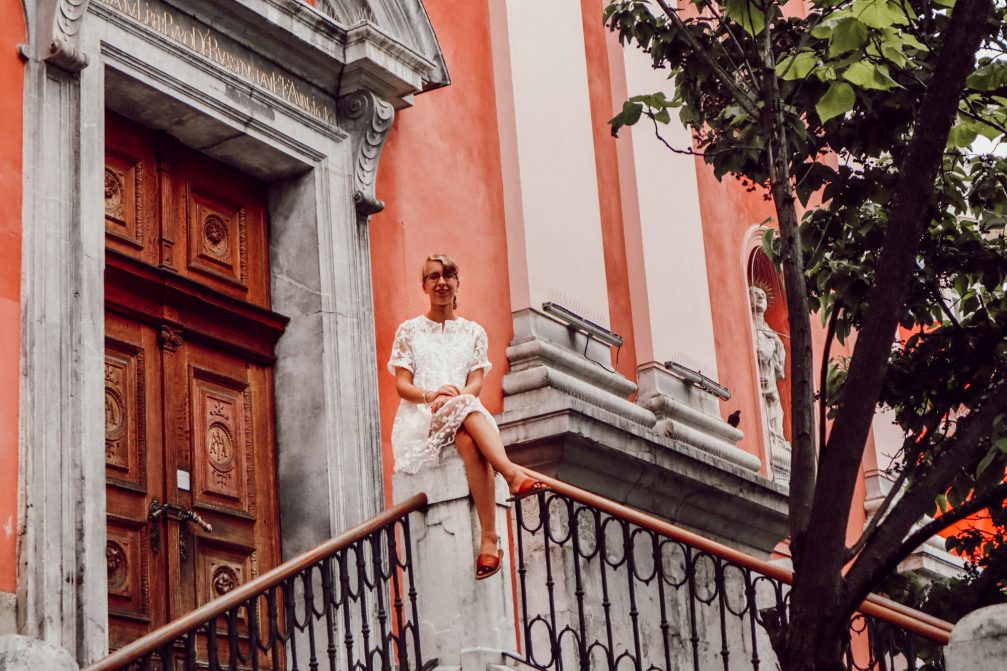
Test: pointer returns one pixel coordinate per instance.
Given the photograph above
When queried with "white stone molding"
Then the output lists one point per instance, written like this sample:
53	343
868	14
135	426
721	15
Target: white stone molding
688	414
369	120
668	453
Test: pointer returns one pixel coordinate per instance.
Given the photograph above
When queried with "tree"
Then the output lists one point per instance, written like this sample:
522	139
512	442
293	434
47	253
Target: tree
873	106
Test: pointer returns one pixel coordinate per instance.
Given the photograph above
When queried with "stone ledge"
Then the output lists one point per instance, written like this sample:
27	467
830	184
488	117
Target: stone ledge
593	448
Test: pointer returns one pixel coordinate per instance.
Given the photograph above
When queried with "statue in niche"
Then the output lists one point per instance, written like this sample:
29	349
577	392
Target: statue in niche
771	358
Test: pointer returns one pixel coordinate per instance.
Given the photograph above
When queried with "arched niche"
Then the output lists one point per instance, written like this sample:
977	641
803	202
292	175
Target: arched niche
762	274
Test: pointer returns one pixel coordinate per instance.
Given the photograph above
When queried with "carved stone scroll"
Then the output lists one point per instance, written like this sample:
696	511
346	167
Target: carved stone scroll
369	119
57	38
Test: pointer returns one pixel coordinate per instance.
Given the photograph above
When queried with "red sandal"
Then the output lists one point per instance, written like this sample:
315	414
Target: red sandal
528	487
488	565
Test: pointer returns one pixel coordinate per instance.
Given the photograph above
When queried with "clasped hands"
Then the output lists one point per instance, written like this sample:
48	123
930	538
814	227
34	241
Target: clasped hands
441	396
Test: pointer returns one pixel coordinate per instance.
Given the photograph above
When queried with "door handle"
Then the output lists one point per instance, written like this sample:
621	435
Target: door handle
193	516
177	513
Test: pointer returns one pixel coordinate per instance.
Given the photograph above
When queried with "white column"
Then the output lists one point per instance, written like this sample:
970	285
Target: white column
671	304
552	150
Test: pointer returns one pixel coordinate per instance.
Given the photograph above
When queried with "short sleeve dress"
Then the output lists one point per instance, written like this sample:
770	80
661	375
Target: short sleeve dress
436	356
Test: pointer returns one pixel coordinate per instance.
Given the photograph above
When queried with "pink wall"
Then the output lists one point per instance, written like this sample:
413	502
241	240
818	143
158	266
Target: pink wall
12	33
440	177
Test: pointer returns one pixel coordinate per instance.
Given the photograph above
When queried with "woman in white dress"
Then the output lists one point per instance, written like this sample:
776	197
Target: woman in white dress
439	361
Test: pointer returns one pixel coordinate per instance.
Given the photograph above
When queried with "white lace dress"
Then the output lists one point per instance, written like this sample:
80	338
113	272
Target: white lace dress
435	357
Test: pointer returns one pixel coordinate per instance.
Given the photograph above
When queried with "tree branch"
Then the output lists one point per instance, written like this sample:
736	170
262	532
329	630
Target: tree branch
830	334
914	190
740	95
879	514
959	450
957	514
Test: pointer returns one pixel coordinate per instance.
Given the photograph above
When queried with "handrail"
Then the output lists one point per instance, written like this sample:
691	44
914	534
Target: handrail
925	625
171	631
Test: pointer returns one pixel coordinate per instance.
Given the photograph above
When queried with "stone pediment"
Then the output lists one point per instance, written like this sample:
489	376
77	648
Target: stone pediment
405	21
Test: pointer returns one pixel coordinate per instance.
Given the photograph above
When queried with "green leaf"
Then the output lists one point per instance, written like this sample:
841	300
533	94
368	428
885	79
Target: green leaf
908	40
989	77
747	14
869	76
945	3
848	35
893	53
798	66
963	134
879	13
825	73
629	115
837	100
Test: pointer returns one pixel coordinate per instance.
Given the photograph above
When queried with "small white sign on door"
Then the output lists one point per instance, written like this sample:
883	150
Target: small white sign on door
184	484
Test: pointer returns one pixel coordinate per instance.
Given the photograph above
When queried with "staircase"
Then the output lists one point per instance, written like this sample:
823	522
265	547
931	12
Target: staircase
599	586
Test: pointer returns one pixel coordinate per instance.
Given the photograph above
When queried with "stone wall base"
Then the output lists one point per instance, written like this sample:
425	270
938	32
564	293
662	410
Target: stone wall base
8	613
20	653
979	641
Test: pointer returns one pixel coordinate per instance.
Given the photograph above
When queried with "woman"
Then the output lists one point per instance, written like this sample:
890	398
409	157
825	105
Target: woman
439	361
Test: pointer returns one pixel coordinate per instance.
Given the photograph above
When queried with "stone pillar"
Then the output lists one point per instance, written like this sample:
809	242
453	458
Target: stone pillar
979	641
62	593
464	623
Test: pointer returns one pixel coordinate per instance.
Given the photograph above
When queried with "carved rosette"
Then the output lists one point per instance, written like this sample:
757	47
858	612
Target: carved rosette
115	558
369	119
114	194
224	580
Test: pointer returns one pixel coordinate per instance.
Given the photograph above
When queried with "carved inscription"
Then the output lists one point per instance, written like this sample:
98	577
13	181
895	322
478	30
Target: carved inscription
229	55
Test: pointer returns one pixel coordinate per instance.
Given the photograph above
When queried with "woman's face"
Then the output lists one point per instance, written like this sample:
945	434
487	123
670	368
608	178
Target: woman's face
439	285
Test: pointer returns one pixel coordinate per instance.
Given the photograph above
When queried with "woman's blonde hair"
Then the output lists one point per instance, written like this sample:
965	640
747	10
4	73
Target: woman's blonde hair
450	267
450	270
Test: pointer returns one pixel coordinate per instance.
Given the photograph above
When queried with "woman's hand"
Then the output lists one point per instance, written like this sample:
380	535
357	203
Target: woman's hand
448	390
439	402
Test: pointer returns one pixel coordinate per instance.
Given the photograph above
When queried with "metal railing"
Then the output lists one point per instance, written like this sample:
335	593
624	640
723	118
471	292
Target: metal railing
603	586
350	603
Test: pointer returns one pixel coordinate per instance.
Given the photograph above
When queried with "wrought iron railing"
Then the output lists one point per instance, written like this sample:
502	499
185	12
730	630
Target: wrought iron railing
605	587
349	604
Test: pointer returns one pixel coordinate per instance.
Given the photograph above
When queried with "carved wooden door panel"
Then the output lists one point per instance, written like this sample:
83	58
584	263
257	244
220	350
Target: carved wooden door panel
190	457
134	549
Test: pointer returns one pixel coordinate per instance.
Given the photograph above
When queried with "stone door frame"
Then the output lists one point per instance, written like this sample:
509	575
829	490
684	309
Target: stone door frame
321	177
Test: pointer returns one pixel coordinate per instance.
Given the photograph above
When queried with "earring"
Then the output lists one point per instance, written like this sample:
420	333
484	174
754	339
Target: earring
454	302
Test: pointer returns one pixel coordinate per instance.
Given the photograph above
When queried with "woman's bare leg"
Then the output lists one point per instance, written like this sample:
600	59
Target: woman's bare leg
480	477
488	442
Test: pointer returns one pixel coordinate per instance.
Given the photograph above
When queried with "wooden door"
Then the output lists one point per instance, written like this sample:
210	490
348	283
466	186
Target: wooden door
189	446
